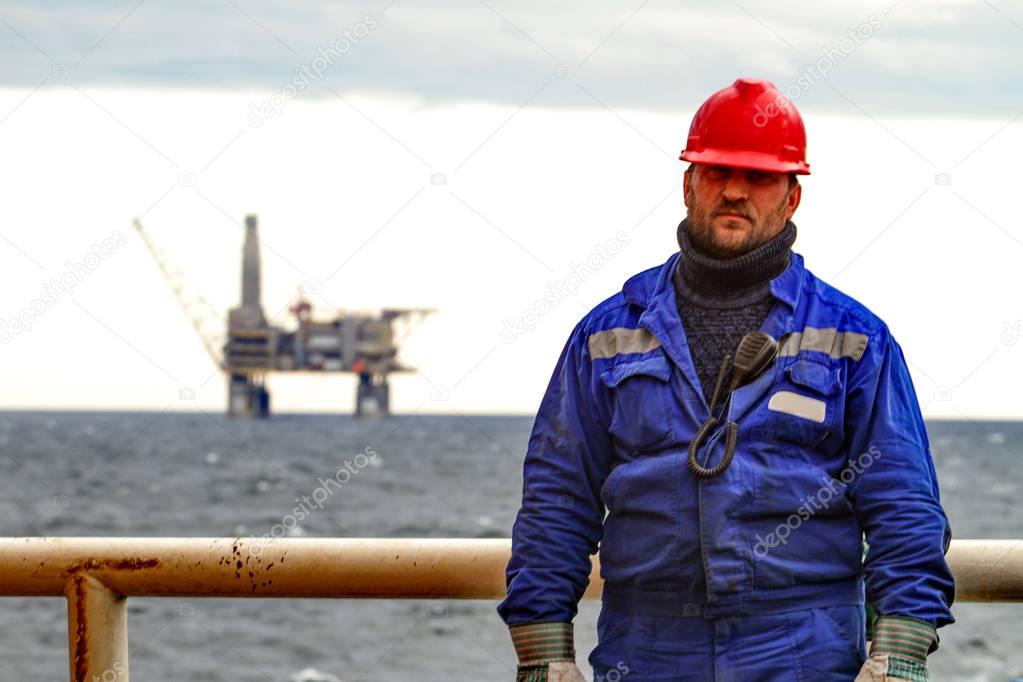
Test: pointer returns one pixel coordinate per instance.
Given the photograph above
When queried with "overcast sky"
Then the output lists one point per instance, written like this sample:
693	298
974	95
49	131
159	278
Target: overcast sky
939	57
468	156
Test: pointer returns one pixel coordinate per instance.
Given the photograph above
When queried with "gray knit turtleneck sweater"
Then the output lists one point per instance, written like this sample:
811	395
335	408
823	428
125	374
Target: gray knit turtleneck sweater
721	299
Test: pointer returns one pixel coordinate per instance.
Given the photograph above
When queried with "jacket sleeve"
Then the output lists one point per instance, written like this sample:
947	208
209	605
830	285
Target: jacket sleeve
894	491
559	523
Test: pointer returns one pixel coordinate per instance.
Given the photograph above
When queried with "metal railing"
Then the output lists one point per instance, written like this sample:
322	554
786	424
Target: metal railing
97	575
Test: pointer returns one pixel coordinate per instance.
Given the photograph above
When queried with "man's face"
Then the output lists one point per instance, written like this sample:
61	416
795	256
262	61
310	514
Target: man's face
734	210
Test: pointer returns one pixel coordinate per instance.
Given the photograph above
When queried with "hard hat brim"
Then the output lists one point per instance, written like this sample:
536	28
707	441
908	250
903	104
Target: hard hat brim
745	159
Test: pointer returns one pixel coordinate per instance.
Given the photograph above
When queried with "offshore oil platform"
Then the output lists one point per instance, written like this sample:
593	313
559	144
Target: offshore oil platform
359	343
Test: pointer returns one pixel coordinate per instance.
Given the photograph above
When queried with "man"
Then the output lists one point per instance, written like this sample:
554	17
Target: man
735	553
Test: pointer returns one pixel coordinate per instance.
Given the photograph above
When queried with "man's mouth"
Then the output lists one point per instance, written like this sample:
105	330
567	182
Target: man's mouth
732	214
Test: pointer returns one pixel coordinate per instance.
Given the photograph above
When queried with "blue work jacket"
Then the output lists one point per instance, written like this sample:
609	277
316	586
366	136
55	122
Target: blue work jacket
831	448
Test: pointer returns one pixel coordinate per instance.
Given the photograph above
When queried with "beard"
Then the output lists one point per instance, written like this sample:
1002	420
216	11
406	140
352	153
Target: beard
705	238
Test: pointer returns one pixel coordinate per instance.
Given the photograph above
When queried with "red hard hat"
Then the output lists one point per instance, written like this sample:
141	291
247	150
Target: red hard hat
749	124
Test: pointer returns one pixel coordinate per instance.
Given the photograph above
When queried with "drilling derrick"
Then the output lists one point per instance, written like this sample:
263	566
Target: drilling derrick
249	351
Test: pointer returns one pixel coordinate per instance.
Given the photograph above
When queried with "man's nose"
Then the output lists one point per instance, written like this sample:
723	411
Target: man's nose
737	187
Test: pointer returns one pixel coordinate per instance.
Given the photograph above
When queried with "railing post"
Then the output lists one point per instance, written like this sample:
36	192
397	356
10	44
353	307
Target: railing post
97	631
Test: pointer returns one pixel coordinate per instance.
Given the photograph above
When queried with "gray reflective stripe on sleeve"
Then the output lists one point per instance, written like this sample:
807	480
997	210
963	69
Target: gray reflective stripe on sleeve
620	340
824	340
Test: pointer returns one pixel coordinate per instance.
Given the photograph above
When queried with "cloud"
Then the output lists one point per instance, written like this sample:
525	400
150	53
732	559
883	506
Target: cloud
944	58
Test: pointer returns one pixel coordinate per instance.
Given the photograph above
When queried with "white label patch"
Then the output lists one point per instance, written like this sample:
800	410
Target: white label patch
799	405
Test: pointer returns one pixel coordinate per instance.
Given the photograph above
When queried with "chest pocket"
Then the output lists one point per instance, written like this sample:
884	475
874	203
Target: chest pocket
801	408
641	395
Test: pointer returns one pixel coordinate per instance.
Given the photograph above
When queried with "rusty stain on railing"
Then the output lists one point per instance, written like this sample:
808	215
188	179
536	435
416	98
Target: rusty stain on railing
79	655
97	575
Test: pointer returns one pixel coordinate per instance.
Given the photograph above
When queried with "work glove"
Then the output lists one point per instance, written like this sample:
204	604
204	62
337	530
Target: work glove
898	651
555	671
546	653
564	671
